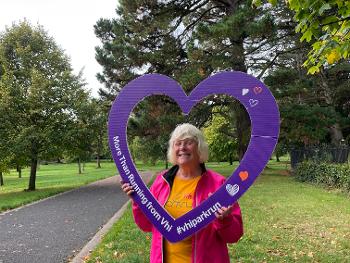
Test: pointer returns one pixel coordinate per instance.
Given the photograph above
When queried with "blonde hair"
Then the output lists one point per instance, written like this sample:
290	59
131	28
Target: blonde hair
188	131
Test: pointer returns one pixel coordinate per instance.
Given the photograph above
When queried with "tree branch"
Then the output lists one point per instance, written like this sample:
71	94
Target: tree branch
267	41
273	60
197	20
340	20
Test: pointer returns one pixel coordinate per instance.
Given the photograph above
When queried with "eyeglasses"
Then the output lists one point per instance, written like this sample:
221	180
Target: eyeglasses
185	142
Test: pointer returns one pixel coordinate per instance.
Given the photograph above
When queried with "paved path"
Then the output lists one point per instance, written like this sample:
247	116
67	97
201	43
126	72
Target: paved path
55	229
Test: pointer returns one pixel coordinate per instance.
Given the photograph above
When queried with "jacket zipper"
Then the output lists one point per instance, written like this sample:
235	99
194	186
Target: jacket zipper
163	206
195	235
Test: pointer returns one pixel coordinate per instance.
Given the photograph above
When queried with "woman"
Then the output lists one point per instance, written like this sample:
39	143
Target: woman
179	189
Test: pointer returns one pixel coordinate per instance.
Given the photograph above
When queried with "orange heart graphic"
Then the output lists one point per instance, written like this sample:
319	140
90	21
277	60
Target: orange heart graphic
243	175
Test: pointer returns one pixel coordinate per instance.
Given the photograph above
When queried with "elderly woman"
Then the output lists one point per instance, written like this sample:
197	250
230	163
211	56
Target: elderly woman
179	189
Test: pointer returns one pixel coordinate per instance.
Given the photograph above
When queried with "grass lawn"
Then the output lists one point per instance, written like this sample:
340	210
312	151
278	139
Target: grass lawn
284	221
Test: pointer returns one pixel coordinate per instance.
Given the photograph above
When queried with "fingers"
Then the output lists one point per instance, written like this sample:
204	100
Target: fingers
223	212
127	188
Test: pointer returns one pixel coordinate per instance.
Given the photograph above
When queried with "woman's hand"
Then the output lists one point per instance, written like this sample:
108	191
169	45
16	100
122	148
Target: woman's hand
127	188
223	212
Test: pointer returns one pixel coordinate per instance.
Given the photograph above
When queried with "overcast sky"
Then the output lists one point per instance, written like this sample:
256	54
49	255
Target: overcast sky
70	23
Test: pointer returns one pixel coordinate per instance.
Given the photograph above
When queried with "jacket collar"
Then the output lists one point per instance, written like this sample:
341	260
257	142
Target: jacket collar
169	176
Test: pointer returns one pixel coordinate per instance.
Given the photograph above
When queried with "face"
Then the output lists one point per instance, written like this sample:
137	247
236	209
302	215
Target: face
186	152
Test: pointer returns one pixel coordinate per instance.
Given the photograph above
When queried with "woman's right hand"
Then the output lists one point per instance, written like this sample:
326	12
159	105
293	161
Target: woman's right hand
127	188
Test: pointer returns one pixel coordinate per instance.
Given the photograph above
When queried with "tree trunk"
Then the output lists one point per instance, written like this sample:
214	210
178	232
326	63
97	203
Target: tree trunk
336	134
230	160
19	170
33	167
1	179
79	166
243	130
98	161
277	157
242	117
99	150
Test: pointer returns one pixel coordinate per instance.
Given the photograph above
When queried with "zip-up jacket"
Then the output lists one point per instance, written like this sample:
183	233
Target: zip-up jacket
209	245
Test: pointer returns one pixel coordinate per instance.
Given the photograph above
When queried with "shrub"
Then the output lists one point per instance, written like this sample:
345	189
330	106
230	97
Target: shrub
330	175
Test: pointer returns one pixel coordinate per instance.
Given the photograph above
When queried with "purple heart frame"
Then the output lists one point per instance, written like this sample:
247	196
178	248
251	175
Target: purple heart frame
264	115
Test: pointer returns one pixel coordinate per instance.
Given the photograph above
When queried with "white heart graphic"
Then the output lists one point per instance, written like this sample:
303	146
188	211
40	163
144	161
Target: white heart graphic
245	91
232	189
253	102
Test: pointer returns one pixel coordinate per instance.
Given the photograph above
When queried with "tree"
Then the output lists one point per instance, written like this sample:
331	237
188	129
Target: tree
98	124
5	153
38	89
4	168
222	140
187	40
79	134
150	126
325	24
86	134
310	106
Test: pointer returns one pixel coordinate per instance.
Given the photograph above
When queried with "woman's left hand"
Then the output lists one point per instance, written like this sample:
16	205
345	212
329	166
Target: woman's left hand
223	212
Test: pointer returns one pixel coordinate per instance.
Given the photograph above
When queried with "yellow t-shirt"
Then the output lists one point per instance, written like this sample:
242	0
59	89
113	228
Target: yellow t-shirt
179	203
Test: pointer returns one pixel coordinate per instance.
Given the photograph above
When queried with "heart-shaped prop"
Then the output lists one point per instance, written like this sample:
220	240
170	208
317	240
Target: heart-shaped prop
264	115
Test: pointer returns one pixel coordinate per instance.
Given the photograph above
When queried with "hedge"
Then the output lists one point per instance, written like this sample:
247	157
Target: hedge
326	174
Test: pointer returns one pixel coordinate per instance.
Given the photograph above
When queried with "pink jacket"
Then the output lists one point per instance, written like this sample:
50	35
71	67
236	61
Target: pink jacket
208	244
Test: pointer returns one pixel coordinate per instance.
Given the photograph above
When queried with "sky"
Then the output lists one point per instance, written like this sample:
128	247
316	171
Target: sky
70	23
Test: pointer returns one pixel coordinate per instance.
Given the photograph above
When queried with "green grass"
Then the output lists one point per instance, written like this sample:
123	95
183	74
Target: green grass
51	179
284	221
288	221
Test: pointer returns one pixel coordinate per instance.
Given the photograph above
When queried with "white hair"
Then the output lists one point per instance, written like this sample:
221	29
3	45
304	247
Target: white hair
188	131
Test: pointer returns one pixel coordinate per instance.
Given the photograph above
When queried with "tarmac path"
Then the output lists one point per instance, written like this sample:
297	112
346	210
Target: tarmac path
55	229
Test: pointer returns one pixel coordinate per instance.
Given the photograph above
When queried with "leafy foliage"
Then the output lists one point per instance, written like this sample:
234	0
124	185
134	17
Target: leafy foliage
221	139
325	24
330	175
79	135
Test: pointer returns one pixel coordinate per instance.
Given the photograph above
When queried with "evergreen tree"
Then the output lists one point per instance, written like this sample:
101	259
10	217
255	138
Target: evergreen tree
151	125
313	108
189	40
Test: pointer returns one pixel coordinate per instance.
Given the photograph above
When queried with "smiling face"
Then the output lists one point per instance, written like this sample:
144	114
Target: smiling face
187	144
186	152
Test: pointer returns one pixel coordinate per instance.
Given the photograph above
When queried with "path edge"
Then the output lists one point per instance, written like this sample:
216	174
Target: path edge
92	244
96	240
